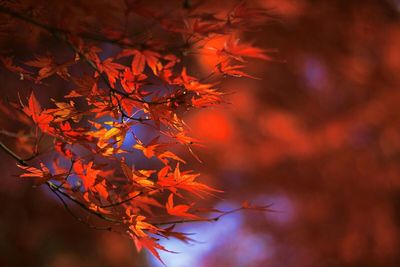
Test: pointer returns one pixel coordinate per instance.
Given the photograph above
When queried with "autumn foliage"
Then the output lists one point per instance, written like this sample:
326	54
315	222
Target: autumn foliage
128	89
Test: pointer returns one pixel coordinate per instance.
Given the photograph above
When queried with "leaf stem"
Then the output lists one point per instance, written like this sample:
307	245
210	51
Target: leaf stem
122	201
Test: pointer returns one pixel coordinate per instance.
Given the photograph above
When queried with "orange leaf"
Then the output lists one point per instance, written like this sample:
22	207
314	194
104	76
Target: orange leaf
34	110
151	245
179	210
138	63
40	176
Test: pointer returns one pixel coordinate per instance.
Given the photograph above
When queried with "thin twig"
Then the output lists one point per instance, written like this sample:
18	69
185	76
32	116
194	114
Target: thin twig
121	202
68	174
61	34
75	216
83	35
15	135
213	219
82	205
12	154
52	186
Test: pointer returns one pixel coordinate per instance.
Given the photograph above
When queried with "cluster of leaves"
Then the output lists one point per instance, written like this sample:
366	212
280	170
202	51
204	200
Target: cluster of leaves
145	83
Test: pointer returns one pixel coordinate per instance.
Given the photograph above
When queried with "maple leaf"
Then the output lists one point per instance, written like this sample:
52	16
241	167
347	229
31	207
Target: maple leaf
34	110
105	136
40	176
144	203
64	111
111	69
233	70
101	108
61	148
142	57
138	225
85	86
48	67
183	180
192	84
152	60
248	206
138	62
149	149
182	138
91	54
164	114
98	209
151	245
205	101
131	81
156	149
168	232
235	50
179	210
87	174
202	27
101	189
70	134
141	177
242	15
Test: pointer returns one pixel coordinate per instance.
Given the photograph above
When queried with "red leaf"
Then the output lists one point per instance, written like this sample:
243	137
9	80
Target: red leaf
34	110
112	70
40	176
138	63
151	245
179	210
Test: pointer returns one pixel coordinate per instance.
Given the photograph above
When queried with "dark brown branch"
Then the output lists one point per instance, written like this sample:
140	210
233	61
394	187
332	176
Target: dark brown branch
83	35
82	205
12	154
61	34
122	201
216	218
54	187
75	216
68	174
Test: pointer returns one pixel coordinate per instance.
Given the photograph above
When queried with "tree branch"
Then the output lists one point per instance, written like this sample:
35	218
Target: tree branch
75	216
61	34
80	204
12	154
216	218
122	201
83	35
56	188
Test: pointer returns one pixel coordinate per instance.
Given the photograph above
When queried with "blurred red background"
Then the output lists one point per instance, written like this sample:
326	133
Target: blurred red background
318	137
